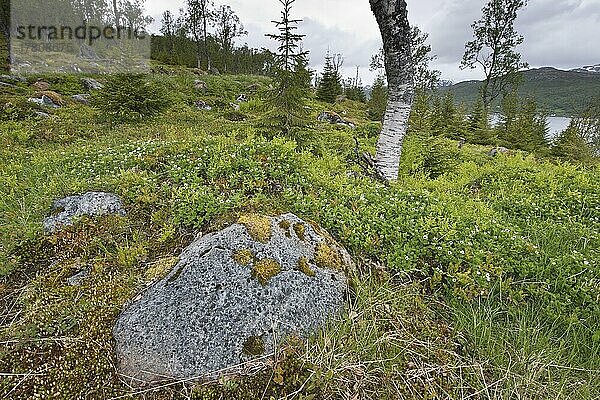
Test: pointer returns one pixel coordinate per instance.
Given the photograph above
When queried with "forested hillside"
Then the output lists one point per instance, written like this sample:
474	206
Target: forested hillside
562	93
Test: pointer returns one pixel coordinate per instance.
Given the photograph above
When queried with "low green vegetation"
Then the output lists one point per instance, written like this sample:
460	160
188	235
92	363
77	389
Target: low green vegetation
477	276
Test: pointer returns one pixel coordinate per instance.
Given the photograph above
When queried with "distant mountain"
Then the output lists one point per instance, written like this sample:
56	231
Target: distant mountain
595	69
557	92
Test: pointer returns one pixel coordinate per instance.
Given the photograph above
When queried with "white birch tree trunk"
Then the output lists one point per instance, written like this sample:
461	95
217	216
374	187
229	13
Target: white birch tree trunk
392	17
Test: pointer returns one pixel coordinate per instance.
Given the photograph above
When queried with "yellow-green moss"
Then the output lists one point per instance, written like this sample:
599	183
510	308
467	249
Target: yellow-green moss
300	229
160	268
285	225
304	267
258	226
327	256
243	257
265	269
254	346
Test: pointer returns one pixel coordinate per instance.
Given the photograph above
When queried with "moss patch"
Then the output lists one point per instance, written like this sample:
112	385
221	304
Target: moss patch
160	268
285	225
327	256
243	257
258	226
304	267
300	230
265	269
254	346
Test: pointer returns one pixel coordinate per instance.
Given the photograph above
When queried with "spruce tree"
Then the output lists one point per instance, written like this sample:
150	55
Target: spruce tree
533	128
378	100
479	131
522	126
354	89
420	117
588	124
286	103
572	146
330	85
508	115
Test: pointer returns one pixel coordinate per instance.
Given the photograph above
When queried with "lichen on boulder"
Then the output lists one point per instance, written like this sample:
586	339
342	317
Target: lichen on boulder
231	297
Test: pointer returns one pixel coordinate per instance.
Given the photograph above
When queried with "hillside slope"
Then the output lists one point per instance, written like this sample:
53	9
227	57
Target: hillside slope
481	280
563	93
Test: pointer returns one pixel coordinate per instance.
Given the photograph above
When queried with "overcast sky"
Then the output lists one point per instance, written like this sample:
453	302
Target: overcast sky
560	33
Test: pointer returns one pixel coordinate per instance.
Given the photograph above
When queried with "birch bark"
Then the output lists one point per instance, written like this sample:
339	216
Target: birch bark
392	17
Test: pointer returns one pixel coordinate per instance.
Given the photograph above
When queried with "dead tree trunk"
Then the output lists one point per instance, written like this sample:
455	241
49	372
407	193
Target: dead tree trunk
392	17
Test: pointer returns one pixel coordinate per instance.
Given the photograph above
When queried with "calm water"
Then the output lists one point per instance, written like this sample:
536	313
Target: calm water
555	124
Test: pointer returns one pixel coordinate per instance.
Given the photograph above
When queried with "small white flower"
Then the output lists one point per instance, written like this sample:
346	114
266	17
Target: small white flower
487	277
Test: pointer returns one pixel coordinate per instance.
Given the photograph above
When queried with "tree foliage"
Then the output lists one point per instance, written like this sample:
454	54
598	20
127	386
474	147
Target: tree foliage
378	100
571	145
130	97
588	124
228	27
424	76
330	84
198	15
480	131
287	109
522	126
177	46
4	33
493	48
354	90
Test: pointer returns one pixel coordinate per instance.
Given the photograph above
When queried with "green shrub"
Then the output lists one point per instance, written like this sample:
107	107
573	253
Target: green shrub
128	97
428	155
17	108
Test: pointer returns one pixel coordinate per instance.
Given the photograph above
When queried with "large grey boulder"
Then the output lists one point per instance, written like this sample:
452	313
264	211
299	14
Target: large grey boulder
66	211
231	297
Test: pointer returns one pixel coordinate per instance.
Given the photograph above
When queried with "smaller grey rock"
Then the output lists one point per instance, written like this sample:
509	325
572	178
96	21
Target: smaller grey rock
12	79
41	114
87	52
200	85
77	279
66	211
91	84
43	101
235	106
498	150
335	119
10	85
81	99
202	105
